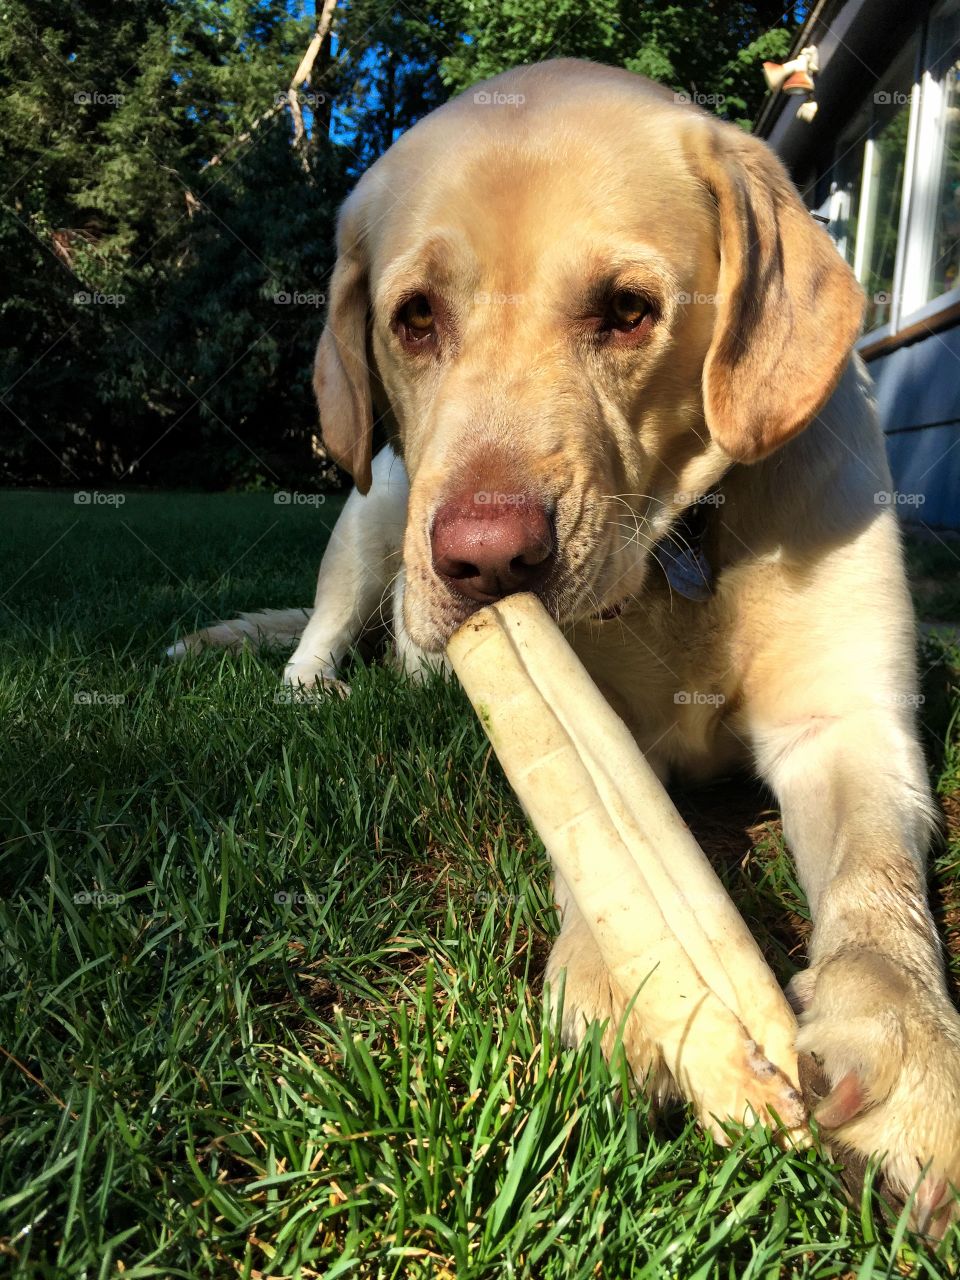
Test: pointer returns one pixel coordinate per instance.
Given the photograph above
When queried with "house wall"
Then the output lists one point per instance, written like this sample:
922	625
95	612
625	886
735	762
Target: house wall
918	400
918	384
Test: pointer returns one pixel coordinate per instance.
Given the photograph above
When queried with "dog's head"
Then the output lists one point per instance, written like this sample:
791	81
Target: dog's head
578	302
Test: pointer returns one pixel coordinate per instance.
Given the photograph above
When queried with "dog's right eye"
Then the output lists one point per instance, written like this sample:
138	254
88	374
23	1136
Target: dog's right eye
629	317
414	320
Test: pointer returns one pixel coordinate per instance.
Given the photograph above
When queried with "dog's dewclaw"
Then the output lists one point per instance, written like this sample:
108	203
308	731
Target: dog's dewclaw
666	927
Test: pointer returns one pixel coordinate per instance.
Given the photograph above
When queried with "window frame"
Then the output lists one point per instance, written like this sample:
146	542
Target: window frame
918	257
892	326
916	229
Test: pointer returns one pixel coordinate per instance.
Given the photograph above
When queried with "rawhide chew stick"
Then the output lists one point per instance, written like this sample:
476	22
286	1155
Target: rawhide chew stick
668	931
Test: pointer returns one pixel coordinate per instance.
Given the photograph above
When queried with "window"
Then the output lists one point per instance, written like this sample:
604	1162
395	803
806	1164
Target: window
879	214
894	187
844	204
941	90
867	186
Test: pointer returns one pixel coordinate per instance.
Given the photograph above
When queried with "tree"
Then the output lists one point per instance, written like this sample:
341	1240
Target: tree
712	53
164	193
141	334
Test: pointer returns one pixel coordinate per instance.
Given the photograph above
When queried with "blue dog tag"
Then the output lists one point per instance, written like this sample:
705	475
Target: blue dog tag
687	568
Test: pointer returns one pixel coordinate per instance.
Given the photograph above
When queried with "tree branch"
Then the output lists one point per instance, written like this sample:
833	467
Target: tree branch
302	72
292	97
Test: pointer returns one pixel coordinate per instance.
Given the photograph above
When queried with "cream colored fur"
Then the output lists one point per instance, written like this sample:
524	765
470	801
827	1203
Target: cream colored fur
801	665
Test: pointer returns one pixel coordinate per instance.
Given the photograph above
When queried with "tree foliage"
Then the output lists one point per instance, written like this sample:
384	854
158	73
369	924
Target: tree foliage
160	310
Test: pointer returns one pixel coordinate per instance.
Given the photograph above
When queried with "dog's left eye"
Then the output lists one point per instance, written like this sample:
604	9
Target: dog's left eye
415	320
627	310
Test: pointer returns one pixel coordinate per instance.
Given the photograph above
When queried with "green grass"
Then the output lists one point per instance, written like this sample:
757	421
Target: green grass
271	990
933	562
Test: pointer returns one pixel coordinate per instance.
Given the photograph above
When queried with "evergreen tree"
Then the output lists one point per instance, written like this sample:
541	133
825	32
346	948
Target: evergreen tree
140	334
157	212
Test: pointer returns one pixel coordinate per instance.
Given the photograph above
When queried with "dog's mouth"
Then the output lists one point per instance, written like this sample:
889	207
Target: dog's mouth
564	601
568	580
569	597
609	612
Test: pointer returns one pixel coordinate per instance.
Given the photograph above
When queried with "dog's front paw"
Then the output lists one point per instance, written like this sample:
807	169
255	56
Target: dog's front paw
887	1043
305	680
576	969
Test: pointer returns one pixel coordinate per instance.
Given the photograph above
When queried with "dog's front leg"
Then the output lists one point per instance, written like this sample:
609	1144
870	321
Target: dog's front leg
358	567
875	1009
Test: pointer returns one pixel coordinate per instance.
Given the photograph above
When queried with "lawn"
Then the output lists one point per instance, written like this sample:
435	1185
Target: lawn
271	996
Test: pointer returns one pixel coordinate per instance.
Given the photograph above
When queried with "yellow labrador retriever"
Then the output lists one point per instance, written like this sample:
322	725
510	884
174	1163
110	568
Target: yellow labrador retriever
612	351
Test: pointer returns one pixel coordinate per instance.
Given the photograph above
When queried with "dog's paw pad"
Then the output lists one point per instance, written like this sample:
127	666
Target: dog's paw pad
845	1100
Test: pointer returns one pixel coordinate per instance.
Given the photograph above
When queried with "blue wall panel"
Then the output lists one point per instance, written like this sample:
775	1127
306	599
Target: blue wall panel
927	464
918	398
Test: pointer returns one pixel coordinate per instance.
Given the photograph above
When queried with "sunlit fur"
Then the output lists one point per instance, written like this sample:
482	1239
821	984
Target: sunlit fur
801	664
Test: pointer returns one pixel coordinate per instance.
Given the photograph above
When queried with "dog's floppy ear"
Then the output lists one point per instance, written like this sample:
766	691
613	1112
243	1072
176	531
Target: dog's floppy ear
341	375
788	308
